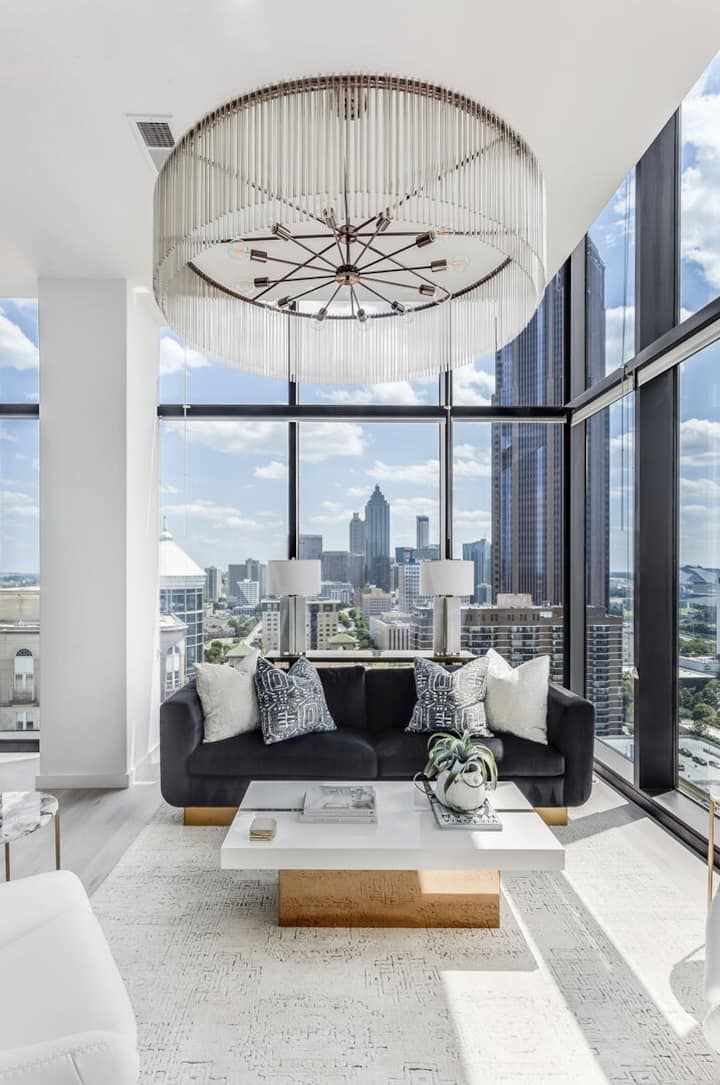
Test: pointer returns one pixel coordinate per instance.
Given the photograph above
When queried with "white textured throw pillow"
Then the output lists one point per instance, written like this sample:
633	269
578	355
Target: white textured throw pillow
516	699
228	698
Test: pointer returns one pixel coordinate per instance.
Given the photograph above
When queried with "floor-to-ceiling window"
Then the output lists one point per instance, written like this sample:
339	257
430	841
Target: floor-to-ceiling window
610	573
700	192
508	519
19	539
698	647
356	476
610	284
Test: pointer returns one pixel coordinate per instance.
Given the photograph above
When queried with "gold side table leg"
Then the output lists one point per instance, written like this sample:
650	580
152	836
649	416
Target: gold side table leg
57	840
7	862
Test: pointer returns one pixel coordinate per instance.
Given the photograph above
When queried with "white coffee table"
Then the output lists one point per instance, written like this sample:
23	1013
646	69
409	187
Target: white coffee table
402	872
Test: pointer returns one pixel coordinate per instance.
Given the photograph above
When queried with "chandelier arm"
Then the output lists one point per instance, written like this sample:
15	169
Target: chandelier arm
314	253
402	267
387	282
353	301
291	273
365	246
379	295
388	256
304	279
294	263
312	289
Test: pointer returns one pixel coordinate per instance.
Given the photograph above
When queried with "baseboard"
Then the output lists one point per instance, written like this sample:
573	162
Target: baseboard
147	769
100	781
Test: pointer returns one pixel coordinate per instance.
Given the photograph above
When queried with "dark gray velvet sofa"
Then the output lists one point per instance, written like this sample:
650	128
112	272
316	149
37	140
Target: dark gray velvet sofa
372	708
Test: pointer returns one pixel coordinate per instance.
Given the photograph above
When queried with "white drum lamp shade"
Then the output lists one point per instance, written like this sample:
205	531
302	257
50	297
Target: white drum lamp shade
448	581
447	578
293	577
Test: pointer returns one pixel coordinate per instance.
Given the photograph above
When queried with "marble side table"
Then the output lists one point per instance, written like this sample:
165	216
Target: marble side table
21	813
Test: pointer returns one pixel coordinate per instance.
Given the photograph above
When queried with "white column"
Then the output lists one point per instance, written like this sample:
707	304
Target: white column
98	532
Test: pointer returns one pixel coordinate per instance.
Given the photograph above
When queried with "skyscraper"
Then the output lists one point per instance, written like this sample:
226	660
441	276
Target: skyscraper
480	554
597	491
422	532
182	591
527	464
212	584
377	540
357	534
311	547
335	565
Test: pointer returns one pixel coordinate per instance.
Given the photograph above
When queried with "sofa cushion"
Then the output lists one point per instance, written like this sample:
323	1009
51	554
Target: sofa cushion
523	757
345	694
291	702
401	754
390	695
334	755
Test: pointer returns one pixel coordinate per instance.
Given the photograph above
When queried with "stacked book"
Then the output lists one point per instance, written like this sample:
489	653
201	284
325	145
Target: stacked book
484	819
351	804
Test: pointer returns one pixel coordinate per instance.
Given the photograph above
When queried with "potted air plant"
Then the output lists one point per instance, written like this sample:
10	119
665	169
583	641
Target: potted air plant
464	770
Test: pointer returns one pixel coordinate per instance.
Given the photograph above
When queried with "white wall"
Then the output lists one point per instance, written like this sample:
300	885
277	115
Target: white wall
98	532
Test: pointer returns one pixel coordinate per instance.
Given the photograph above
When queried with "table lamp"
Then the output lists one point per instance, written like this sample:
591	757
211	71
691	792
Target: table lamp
448	581
293	581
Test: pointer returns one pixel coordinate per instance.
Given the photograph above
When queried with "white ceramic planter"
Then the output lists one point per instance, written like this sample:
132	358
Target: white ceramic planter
460	795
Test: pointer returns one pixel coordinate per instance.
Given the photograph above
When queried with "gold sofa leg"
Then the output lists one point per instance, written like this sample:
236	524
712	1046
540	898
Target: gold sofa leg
209	815
553	815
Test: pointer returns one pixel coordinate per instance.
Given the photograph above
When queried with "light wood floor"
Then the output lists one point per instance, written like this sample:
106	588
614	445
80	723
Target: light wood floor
97	826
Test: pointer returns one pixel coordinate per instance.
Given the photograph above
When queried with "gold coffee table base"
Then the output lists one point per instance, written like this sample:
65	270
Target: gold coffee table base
389	898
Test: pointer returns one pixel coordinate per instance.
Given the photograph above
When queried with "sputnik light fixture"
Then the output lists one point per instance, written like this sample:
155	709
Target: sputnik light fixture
344	205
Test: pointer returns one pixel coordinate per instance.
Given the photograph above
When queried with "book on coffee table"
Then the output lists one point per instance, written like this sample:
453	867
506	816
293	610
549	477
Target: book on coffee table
484	819
349	804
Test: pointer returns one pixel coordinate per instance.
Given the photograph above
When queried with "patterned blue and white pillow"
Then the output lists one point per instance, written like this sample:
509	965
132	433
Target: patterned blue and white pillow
291	702
450	700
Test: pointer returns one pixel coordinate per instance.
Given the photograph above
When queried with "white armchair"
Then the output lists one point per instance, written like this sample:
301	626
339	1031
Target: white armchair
65	1016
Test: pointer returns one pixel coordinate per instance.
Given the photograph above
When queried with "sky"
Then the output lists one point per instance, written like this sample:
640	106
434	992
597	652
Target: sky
224	483
19	541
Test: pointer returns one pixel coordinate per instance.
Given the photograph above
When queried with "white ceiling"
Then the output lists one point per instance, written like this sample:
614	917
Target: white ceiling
588	85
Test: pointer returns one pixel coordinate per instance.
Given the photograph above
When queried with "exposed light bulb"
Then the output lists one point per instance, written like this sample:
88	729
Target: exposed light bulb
238	250
243	284
459	263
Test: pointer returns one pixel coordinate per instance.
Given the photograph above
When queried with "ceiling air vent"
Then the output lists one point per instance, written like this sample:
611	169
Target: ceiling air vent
155	136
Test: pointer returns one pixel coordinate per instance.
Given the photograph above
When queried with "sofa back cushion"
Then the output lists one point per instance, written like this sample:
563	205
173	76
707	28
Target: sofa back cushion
344	689
391	698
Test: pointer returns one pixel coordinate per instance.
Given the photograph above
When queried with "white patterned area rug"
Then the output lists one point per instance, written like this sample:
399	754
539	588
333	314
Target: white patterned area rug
595	975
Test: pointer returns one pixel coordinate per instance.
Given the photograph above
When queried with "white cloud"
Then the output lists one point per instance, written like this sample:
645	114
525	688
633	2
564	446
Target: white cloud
699	443
417	474
168	489
7	434
174	357
246	437
326	440
393	393
619	332
218	515
16	350
473	386
477	518
701	183
16	503
272	470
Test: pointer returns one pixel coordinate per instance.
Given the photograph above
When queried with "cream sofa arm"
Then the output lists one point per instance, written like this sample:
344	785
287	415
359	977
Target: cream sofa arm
93	1058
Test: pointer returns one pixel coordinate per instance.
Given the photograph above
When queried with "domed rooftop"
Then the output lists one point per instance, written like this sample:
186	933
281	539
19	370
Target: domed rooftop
174	562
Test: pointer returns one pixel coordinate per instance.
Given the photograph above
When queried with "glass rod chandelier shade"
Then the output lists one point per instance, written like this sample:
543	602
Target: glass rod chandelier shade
349	228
